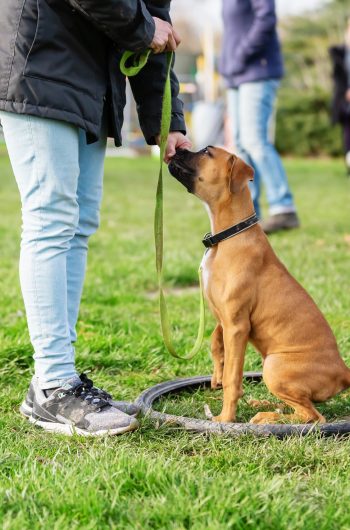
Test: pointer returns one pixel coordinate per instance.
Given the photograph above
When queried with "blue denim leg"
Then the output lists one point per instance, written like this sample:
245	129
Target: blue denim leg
45	156
89	196
233	105
256	110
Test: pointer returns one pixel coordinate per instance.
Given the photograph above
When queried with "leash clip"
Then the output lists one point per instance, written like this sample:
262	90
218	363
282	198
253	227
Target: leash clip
208	241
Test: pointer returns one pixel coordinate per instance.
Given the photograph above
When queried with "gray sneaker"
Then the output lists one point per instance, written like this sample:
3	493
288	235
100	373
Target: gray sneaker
124	406
280	221
74	408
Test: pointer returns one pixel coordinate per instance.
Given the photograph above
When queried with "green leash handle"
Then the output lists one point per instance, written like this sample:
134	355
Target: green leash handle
138	61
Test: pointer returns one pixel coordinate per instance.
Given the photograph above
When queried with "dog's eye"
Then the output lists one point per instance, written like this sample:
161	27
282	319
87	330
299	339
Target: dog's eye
206	151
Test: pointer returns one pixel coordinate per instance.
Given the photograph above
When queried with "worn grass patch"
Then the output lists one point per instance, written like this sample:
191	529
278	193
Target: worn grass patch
165	478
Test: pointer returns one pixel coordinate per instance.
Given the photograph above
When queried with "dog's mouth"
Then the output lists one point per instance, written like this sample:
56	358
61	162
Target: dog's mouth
181	168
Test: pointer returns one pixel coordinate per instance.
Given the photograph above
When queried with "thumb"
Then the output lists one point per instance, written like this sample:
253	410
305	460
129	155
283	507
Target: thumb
170	149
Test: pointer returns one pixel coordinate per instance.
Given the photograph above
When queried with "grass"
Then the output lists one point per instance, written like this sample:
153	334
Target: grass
164	478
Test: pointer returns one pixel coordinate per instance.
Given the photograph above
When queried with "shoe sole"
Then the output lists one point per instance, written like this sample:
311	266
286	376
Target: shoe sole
26	411
70	430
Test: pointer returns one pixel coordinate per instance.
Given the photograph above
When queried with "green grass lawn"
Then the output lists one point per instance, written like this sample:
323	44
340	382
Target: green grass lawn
163	478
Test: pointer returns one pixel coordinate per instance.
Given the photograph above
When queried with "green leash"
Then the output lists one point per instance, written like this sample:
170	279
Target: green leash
138	62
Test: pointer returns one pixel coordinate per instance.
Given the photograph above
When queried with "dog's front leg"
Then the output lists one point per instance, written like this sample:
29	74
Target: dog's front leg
217	352
235	343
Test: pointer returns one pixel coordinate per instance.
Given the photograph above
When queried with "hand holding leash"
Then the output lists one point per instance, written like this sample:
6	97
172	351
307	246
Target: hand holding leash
165	37
176	140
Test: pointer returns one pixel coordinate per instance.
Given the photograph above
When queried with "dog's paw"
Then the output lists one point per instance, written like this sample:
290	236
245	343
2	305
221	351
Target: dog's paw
256	403
262	418
266	404
223	419
215	385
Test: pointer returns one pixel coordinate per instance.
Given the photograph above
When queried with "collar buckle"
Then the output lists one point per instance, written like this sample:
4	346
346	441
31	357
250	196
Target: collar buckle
208	241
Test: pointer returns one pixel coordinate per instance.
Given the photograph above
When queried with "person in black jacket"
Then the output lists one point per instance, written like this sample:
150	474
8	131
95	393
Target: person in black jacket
340	56
61	94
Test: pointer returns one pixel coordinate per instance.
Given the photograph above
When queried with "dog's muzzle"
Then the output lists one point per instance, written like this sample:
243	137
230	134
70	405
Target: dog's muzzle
181	168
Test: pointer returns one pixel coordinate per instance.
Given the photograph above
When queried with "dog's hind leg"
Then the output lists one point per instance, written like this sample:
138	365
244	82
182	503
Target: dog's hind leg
303	413
288	383
217	352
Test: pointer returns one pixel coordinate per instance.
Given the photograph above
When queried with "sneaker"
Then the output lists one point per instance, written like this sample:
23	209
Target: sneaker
74	409
124	406
280	221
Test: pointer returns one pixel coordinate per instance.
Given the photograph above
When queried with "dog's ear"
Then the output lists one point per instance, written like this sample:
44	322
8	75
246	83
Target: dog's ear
239	172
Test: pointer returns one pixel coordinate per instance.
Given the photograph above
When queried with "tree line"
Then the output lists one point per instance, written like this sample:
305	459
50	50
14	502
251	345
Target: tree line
303	120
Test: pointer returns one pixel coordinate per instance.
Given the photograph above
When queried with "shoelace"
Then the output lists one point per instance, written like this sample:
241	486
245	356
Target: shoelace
93	389
86	391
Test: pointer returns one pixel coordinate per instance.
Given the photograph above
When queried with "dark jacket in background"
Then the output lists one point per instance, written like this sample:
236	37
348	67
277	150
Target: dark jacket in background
59	59
251	49
340	107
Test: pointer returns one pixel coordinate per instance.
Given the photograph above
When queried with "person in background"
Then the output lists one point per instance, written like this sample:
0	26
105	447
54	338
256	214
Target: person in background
340	57
61	94
252	65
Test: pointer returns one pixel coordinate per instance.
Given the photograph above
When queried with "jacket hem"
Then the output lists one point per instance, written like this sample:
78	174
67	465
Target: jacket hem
22	107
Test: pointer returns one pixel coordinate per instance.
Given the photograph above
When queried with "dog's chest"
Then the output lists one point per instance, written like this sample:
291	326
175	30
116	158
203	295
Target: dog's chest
205	268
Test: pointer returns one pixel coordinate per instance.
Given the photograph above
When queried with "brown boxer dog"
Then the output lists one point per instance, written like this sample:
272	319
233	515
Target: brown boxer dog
254	298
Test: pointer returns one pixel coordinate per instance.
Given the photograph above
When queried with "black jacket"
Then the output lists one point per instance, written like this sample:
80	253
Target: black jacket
60	59
340	107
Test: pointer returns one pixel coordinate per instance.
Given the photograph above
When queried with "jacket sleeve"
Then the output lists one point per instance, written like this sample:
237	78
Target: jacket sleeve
259	33
148	86
128	23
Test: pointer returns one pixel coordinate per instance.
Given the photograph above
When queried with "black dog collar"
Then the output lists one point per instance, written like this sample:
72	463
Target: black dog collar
210	240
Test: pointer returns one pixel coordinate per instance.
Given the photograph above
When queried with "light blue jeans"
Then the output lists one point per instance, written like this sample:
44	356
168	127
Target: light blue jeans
251	109
59	178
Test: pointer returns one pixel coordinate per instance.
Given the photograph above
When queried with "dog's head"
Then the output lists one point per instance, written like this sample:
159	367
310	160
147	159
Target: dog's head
212	174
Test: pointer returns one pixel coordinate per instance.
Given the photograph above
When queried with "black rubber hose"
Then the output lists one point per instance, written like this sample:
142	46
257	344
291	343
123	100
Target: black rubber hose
148	397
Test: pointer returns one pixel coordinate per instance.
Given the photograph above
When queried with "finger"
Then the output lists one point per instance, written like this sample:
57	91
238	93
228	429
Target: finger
185	144
176	37
160	49
170	150
154	47
171	43
158	45
169	155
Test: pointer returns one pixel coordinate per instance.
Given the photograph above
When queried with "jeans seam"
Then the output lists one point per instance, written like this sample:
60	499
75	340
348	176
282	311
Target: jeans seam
41	223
